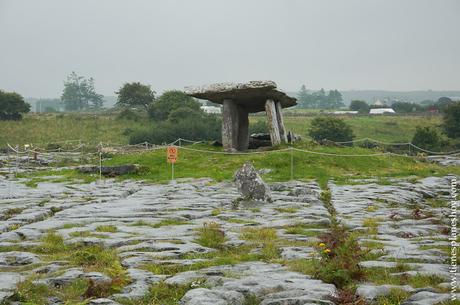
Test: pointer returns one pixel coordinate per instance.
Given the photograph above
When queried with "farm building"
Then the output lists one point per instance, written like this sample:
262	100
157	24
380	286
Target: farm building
381	111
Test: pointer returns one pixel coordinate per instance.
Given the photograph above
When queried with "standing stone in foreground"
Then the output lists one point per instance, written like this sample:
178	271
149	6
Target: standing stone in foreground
250	184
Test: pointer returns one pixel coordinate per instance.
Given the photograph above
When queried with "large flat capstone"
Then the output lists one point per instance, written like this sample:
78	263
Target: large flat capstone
252	95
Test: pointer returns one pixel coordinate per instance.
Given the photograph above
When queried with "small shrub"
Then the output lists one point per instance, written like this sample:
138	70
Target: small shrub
348	297
340	255
97	289
211	235
258	127
331	129
451	120
169	101
427	138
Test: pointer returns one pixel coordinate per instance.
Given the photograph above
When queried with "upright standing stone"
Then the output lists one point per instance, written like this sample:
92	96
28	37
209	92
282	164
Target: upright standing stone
243	128
229	125
250	184
279	117
273	126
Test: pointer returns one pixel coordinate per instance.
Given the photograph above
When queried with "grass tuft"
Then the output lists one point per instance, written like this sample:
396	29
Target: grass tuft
211	235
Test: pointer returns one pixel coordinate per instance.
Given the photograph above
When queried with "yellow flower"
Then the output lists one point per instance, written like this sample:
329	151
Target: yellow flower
322	245
327	251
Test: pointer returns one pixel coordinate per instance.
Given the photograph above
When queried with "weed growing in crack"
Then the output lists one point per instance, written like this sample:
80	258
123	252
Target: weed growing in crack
211	235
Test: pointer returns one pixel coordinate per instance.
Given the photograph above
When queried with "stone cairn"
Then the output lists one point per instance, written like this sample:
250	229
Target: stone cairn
240	99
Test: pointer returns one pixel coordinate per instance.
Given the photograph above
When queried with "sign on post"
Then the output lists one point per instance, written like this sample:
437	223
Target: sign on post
171	154
171	157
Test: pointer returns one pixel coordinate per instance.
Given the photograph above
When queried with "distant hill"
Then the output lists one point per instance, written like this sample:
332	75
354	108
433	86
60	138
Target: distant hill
371	96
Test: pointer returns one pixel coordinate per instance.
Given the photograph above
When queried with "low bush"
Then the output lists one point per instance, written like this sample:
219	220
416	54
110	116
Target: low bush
207	127
331	129
258	127
428	138
340	255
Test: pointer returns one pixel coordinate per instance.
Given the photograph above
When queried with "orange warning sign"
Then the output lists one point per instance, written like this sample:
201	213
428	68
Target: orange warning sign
171	154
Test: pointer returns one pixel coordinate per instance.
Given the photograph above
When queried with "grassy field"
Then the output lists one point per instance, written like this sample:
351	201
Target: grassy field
305	166
90	128
52	128
383	128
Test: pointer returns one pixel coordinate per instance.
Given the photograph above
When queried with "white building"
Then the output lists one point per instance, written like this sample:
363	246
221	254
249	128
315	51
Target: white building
381	110
345	112
211	109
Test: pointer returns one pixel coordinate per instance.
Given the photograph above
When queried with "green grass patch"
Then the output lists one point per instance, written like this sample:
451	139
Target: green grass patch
289	210
211	235
216	212
107	229
193	164
169	222
382	276
300	230
372	225
395	297
305	266
240	221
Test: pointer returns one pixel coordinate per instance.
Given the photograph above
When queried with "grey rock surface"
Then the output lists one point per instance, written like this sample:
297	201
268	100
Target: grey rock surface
17	258
156	225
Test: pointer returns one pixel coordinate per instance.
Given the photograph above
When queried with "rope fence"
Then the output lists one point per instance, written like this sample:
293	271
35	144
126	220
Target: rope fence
118	148
19	158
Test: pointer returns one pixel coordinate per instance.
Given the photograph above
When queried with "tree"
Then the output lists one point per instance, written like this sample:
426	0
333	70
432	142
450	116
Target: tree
169	101
451	120
443	103
330	128
79	94
404	107
135	94
319	99
12	105
427	138
334	99
360	106
305	99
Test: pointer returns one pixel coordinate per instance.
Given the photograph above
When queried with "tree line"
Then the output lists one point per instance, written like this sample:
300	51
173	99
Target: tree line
319	99
405	107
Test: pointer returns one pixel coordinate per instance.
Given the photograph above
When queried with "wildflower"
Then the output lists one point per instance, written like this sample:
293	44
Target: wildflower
322	245
327	251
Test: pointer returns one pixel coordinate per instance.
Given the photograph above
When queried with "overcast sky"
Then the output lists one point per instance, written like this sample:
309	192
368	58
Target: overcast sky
344	44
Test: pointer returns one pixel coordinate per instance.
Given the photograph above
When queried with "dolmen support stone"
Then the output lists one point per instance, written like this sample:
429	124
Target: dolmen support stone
240	99
250	184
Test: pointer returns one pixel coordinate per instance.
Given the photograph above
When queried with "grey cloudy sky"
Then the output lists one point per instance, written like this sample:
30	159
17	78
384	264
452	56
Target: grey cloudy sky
344	44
